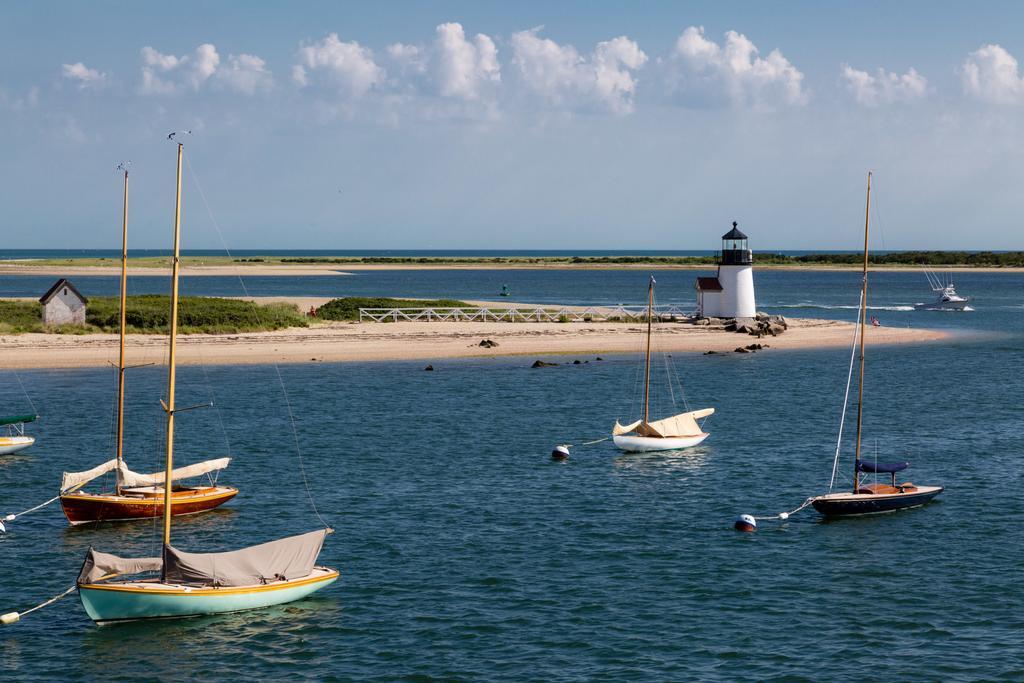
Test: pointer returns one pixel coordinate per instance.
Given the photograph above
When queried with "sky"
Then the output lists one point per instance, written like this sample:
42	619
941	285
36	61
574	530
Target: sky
525	125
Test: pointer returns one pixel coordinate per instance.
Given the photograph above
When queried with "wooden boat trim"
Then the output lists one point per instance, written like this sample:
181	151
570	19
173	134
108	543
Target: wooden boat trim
162	589
179	496
846	496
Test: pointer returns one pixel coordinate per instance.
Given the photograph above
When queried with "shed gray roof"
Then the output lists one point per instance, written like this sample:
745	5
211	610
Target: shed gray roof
52	292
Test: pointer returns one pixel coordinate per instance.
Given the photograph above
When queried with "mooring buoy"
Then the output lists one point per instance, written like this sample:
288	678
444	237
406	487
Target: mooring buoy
560	453
745	523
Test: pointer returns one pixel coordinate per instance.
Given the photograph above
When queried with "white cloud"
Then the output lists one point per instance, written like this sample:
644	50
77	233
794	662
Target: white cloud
884	87
566	79
246	74
464	69
409	58
700	71
990	74
347	66
86	78
170	75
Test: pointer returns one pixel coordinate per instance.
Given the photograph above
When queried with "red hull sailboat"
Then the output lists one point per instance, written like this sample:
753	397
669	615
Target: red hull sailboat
137	496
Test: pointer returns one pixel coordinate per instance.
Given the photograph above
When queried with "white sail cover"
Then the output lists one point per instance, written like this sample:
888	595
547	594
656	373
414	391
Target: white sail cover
286	558
129	478
619	430
73	479
683	424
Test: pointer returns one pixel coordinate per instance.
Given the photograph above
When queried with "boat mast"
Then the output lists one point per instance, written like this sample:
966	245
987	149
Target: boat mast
863	326
647	362
120	360
169	406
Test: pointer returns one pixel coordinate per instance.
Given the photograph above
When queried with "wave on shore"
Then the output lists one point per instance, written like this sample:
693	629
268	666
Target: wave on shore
826	307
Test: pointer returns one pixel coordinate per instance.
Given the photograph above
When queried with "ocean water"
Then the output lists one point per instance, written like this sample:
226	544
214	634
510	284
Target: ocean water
467	554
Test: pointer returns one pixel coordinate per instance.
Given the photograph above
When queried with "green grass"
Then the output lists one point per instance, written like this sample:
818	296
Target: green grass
150	314
348	307
17	317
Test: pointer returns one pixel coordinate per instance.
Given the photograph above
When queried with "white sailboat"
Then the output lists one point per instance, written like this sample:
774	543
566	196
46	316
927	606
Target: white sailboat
194	584
13	438
670	433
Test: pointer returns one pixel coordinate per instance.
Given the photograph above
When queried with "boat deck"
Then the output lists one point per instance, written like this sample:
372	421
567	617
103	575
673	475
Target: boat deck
157	586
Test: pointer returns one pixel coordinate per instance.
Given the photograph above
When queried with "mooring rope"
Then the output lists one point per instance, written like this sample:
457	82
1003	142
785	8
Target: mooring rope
12	617
585	443
786	515
12	517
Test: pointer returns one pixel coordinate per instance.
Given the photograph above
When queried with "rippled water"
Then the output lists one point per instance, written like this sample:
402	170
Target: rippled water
466	553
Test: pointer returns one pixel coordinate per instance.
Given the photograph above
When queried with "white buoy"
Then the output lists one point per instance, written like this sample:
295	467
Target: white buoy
560	453
783	516
745	523
9	618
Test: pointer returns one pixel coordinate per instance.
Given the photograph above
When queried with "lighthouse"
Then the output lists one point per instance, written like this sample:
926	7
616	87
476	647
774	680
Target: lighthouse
731	293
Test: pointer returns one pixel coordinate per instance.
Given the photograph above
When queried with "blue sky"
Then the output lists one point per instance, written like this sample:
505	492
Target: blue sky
591	125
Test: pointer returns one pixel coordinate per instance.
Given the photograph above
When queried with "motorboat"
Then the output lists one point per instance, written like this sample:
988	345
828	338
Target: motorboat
948	299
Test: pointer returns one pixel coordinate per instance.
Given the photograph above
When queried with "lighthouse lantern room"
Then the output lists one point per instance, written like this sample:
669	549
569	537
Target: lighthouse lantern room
731	293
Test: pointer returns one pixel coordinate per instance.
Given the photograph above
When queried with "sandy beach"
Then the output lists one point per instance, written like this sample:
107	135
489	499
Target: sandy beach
333	342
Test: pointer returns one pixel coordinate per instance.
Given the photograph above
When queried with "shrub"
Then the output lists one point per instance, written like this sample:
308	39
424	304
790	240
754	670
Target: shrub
150	314
347	308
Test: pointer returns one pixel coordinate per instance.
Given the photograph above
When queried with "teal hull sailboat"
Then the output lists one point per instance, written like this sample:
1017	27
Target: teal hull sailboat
197	584
194	584
156	602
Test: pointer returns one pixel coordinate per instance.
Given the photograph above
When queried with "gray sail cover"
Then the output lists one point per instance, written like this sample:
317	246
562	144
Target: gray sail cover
288	558
99	565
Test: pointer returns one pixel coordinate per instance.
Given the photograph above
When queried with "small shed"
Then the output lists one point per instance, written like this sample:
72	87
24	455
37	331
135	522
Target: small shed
709	294
63	304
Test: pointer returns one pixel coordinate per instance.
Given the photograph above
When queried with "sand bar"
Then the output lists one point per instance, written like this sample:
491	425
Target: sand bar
8	268
430	342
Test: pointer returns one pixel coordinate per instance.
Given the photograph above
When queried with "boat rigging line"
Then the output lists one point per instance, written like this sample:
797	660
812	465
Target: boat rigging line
749	522
846	398
277	368
35	411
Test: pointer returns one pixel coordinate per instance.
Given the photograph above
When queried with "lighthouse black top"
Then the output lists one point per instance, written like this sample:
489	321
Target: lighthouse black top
734	248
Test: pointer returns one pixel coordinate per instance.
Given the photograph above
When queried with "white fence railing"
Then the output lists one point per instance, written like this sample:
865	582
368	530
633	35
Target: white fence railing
532	314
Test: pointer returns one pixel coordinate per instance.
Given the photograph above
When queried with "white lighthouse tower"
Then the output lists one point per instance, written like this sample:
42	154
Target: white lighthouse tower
731	294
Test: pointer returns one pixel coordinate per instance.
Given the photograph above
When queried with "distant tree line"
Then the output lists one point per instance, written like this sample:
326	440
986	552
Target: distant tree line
922	258
1004	259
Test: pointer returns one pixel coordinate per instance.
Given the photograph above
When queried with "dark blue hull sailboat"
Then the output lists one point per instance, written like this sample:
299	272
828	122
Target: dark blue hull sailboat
852	504
874	498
